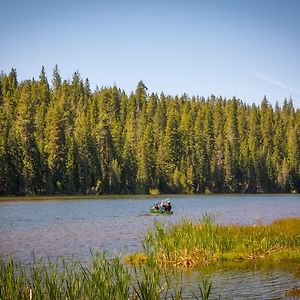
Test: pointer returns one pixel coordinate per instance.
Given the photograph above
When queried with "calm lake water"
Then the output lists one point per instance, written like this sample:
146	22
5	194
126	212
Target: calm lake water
69	228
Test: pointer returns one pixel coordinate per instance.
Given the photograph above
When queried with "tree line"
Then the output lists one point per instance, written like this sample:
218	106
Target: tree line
65	138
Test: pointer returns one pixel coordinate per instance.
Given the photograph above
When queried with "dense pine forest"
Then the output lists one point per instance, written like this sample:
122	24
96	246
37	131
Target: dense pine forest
62	137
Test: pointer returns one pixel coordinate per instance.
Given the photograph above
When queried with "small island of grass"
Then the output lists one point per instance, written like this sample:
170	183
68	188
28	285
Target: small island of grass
192	244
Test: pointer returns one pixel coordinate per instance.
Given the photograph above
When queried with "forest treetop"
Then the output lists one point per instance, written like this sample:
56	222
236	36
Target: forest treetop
69	139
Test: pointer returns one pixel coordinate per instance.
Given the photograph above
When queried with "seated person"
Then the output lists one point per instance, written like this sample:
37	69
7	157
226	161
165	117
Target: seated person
162	205
168	206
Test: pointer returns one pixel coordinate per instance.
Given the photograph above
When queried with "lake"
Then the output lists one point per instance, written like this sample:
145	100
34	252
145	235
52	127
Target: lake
70	228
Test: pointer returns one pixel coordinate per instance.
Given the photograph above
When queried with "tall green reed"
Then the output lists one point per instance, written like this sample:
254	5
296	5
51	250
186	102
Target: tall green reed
13	281
205	288
106	279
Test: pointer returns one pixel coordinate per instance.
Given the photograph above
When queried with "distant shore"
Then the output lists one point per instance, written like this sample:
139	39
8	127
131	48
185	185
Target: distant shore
118	196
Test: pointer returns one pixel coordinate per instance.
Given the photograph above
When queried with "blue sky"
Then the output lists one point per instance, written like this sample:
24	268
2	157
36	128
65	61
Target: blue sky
240	48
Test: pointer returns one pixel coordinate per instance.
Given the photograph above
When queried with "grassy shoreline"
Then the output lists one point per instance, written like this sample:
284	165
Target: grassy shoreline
71	197
16	198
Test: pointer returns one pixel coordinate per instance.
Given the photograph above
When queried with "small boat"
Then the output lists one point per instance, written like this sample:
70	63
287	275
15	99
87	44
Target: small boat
153	210
164	207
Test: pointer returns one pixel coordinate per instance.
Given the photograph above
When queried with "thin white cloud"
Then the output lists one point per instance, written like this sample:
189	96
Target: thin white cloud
276	82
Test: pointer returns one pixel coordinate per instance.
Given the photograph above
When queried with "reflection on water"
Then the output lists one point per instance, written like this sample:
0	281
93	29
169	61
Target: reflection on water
249	280
72	228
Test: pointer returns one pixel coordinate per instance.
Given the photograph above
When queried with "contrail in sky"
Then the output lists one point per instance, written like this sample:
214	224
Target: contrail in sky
276	82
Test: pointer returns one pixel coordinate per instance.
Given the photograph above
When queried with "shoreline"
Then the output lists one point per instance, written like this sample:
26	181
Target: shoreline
8	198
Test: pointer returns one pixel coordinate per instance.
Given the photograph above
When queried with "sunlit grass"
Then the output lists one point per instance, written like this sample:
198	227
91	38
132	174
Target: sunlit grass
190	244
293	293
136	258
105	279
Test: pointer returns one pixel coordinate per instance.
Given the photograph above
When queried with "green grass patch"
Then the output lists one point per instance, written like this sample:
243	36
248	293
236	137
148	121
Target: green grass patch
191	244
136	258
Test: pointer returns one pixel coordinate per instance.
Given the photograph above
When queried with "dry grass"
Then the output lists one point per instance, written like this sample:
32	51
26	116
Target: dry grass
294	293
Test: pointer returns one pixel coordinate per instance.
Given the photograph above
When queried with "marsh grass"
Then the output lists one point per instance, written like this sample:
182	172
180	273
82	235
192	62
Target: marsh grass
293	293
191	244
105	279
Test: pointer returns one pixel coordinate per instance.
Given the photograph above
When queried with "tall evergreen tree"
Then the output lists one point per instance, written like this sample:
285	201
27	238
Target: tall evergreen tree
25	129
232	144
55	147
56	80
254	140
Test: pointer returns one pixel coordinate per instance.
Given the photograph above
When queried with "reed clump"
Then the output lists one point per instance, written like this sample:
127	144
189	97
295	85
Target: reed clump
105	279
191	244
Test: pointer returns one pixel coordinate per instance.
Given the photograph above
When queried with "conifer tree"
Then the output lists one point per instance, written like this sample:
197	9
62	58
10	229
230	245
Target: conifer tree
232	145
56	81
254	140
55	147
267	131
200	153
218	159
171	146
29	154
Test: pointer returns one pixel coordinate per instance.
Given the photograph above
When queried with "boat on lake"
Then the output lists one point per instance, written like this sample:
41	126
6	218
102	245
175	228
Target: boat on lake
163	207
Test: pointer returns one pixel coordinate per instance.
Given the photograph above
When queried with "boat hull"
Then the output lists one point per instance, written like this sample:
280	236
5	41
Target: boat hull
158	211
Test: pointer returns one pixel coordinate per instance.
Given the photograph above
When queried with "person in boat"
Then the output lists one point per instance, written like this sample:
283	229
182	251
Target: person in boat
168	206
162	205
